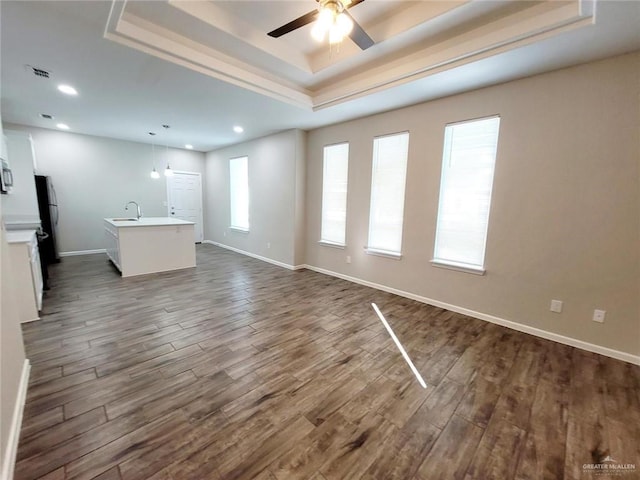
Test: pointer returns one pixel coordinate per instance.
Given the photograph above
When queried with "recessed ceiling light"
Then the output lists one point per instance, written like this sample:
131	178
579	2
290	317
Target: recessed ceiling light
62	126
68	89
238	129
188	146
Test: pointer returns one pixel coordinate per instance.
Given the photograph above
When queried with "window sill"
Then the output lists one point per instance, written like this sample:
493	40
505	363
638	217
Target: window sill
326	243
458	267
383	253
239	230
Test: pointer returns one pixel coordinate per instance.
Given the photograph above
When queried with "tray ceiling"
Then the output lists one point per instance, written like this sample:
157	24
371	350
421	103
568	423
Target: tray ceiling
205	66
227	40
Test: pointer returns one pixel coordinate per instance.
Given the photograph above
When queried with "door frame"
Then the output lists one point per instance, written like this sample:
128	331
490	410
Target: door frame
201	199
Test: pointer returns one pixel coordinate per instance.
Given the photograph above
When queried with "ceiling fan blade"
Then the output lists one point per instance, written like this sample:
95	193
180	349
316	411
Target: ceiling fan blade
358	35
305	19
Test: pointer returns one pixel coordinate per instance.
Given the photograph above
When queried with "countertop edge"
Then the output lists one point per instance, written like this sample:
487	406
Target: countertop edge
149	222
19	236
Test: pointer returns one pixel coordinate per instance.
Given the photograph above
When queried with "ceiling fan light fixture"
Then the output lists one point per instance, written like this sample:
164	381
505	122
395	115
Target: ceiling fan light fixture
332	22
344	23
325	17
328	15
335	35
318	33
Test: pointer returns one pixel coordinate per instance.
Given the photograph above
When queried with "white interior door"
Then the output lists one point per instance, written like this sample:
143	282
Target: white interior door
184	195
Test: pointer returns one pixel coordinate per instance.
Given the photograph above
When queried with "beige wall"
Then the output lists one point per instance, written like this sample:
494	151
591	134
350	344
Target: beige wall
565	215
276	202
95	177
299	227
11	348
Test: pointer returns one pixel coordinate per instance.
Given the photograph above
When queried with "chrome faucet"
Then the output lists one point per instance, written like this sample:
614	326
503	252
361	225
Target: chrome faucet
126	207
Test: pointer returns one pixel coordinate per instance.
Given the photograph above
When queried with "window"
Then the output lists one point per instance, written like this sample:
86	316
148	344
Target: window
334	194
468	162
239	188
387	194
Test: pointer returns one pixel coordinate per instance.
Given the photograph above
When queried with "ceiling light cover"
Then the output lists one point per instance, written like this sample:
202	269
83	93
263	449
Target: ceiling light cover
67	89
62	126
238	129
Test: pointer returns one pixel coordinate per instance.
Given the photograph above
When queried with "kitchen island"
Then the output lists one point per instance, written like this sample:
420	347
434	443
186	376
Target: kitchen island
150	245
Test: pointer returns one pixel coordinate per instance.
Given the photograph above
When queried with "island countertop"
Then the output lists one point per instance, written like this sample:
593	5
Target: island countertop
147	222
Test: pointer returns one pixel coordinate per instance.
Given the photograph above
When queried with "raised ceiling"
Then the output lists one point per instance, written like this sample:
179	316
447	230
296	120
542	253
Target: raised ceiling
203	66
227	41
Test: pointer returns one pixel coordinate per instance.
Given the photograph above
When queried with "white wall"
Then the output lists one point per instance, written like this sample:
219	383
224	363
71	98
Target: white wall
95	177
22	202
565	215
276	184
12	357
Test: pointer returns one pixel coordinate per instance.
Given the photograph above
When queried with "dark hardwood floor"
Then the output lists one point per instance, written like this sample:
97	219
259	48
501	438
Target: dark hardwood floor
243	370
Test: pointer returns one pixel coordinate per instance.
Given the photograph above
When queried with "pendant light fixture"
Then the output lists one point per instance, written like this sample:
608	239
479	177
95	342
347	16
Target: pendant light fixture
167	171
154	173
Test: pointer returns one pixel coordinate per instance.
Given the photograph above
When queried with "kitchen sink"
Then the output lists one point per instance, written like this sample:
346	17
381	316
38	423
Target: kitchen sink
124	219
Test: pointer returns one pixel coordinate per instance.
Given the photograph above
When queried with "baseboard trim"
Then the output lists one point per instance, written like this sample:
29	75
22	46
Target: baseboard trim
253	255
73	253
9	459
573	342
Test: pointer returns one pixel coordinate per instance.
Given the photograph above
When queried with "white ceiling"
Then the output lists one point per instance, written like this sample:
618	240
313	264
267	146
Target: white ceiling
204	66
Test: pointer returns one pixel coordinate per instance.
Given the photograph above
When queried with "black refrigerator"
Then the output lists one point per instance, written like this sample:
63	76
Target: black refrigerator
48	207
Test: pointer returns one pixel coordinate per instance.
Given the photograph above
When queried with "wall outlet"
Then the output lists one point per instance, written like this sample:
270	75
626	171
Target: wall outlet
598	316
224	233
268	244
348	258
556	306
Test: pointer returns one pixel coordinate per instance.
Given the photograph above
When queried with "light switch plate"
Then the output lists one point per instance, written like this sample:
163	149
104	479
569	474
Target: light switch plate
598	315
556	306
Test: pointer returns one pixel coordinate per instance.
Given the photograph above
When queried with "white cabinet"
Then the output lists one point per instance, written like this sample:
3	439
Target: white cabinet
26	272
112	245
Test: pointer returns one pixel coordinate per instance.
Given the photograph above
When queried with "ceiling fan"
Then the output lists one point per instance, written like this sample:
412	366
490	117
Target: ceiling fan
331	18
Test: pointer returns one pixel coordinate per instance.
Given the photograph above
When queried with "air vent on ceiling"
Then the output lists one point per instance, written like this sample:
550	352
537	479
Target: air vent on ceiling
39	72
47	116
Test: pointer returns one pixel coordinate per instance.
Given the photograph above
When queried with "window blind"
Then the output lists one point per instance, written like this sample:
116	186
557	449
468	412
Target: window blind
468	163
239	190
387	193
334	194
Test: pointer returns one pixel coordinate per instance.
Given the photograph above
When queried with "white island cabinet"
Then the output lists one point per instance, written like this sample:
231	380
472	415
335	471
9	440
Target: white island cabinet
150	245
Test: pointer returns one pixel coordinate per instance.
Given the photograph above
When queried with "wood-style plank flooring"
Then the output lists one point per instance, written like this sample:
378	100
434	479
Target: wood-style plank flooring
243	370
